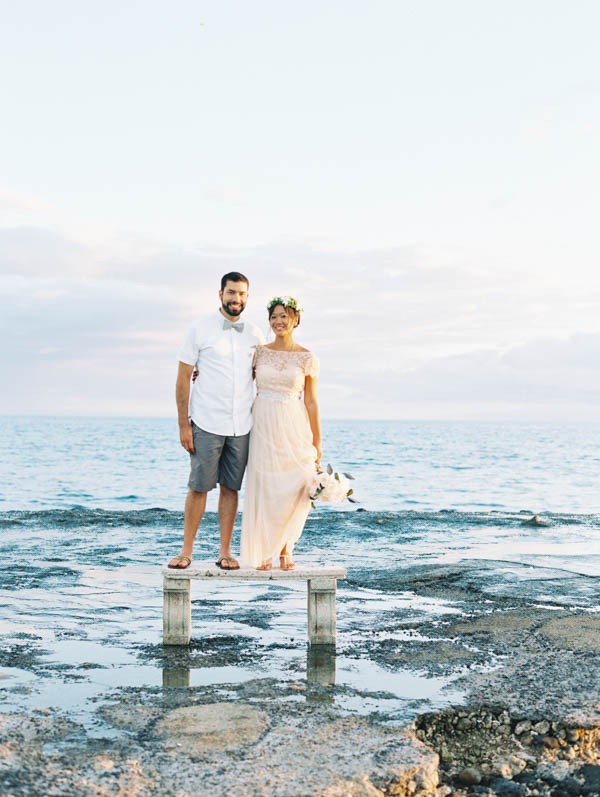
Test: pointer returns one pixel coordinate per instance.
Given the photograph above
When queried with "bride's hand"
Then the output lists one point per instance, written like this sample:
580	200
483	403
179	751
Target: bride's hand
319	453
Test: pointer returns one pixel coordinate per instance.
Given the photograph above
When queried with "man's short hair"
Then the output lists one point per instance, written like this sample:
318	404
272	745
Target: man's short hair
233	276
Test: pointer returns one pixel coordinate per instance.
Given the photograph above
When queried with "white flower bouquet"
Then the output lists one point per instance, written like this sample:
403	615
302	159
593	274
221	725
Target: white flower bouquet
331	487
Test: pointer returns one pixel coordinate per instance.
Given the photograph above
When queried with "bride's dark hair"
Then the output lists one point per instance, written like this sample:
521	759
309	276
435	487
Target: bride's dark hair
289	304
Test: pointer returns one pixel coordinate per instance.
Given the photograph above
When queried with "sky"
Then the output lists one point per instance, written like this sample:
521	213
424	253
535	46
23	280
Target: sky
423	175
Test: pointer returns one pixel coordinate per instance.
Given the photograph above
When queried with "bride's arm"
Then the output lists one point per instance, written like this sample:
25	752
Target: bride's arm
312	407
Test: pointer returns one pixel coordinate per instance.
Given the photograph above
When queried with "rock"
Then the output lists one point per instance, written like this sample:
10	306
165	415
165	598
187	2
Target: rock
553	770
128	717
522	727
212	727
469	776
501	786
577	632
508	767
571	786
542	727
527	739
534	521
591	778
103	763
352	788
551	743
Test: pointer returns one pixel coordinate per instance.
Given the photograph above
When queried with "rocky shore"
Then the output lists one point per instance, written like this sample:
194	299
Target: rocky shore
525	666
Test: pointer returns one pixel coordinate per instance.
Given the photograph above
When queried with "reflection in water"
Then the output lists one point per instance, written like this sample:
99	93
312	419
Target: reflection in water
320	669
176	678
320	665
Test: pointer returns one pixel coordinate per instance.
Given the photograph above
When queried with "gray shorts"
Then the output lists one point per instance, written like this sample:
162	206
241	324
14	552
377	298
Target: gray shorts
217	458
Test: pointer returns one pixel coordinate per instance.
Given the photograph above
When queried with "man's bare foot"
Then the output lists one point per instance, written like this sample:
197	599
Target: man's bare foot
180	562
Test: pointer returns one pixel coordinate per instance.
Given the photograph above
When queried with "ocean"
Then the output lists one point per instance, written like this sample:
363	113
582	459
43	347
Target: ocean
90	508
132	463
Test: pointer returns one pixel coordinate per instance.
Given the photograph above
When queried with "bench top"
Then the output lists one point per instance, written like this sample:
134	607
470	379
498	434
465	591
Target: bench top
206	568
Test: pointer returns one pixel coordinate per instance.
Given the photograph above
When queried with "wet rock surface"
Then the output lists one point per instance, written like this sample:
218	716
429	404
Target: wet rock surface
224	748
523	659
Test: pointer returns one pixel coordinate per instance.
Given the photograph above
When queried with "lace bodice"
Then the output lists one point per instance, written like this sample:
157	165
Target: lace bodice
283	371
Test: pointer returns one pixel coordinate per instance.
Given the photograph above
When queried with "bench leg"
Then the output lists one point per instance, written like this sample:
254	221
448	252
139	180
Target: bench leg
177	611
321	611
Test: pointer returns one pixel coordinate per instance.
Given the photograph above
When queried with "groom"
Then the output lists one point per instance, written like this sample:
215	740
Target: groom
215	421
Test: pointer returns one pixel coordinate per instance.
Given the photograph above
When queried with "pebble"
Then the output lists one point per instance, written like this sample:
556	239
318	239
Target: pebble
103	764
551	743
522	727
509	767
469	776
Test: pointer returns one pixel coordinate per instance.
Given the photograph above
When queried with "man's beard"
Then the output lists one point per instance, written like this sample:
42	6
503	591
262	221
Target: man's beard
235	311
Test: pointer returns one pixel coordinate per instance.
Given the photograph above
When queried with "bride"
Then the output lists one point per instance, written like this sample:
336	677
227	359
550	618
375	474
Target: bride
285	442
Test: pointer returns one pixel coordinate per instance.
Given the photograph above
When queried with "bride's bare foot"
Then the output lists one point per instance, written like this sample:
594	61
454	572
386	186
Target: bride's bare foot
285	561
268	565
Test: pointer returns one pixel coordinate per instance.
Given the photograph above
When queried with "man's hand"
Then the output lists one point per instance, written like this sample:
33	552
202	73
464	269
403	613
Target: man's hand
186	438
182	395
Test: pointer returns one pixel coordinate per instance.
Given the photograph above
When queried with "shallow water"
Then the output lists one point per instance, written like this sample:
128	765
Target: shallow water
91	508
83	610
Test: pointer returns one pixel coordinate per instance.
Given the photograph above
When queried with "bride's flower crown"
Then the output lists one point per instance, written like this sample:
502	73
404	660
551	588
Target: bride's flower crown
284	301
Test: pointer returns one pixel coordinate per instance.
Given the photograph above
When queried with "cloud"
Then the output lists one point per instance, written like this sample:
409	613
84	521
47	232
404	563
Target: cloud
35	251
90	326
16	208
548	373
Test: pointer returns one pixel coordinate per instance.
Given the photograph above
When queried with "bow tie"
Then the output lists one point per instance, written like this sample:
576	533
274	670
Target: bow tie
239	327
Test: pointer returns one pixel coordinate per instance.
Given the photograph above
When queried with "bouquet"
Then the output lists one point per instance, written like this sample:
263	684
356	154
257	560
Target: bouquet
331	487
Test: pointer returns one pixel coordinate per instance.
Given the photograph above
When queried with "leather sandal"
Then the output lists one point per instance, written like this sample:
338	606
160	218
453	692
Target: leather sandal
232	564
181	562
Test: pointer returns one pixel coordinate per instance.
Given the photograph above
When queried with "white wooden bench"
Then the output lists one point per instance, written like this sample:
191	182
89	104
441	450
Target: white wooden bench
321	585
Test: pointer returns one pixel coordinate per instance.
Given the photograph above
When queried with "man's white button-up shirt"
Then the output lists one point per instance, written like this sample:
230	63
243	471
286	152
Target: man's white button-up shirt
222	395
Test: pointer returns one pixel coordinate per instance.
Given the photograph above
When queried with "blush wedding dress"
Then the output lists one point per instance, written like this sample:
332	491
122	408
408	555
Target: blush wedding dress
281	459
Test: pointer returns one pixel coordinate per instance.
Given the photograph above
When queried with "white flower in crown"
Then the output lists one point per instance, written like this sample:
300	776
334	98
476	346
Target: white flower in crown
285	301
